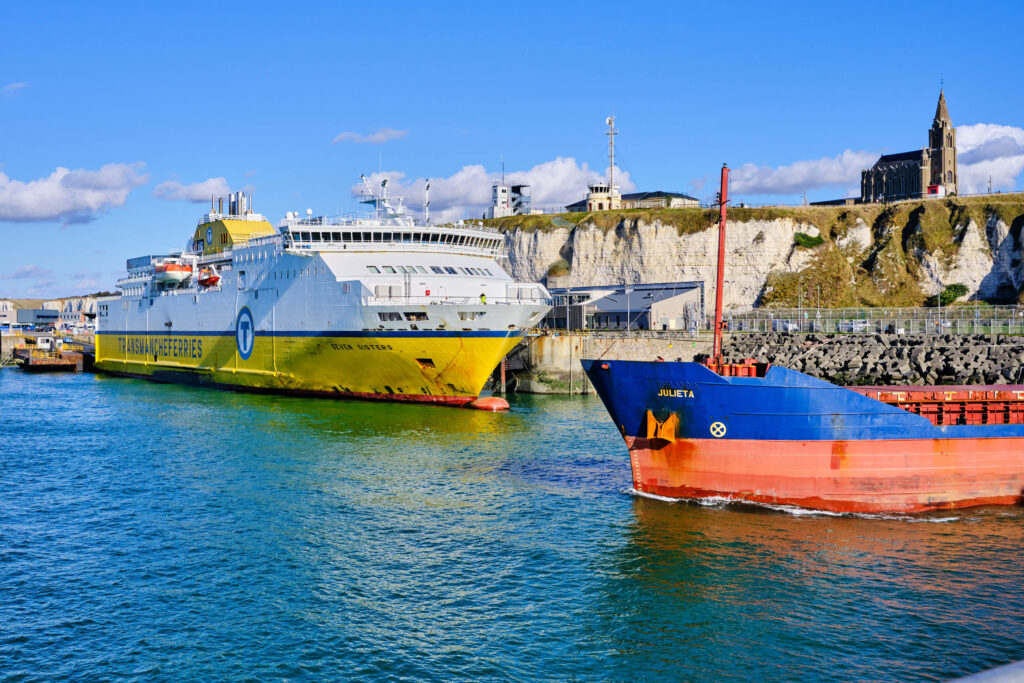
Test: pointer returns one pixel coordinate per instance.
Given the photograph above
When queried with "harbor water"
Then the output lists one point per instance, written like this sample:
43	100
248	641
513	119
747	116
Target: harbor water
159	532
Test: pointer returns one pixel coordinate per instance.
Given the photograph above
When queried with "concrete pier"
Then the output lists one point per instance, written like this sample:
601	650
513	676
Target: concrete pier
550	363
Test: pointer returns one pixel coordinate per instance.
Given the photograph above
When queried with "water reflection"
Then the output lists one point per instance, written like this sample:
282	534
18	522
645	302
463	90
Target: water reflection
723	592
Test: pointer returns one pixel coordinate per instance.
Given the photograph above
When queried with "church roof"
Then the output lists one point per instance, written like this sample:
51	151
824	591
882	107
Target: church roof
913	155
941	112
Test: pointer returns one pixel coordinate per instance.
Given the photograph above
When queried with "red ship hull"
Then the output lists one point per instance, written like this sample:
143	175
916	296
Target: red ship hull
783	437
840	476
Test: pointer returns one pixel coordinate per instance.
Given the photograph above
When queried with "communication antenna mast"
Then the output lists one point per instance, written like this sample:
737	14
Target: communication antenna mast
611	133
426	202
502	157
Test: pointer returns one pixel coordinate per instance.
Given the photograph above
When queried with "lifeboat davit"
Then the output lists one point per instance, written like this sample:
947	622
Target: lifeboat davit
208	277
172	272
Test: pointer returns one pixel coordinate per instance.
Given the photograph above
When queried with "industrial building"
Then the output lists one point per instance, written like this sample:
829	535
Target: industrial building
599	199
648	306
509	200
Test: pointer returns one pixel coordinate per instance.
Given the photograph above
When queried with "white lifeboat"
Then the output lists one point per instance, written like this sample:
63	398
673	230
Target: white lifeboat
172	272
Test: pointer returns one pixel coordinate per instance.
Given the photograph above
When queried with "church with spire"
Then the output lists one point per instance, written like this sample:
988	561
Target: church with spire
920	173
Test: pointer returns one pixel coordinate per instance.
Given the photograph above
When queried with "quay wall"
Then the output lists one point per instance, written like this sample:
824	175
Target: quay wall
550	364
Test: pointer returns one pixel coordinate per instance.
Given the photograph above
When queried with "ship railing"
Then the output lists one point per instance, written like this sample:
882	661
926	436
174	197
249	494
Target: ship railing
374	222
394	246
453	301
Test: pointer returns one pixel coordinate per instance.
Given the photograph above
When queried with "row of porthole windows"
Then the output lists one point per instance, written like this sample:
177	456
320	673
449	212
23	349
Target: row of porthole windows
312	271
251	256
439	270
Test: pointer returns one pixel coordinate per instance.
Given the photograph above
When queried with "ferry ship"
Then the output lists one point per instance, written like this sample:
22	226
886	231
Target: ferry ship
767	434
381	307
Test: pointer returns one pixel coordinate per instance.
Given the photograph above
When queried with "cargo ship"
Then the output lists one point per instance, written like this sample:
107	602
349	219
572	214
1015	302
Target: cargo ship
767	434
380	306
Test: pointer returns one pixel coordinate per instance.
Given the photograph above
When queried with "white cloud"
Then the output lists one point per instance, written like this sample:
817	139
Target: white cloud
989	149
196	193
378	136
69	196
467	193
12	89
26	272
838	171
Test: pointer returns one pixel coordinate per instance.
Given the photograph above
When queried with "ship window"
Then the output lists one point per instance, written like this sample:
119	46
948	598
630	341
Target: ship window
487	271
436	269
471	315
373	269
390	316
376	237
417	237
304	236
346	288
389	269
434	237
416	315
336	236
316	237
407	237
421	269
345	236
449	269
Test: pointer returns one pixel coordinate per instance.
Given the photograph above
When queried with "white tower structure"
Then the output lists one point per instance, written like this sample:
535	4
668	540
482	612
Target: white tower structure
603	196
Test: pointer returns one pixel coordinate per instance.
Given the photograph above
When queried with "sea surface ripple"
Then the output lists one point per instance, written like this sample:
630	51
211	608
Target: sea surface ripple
156	532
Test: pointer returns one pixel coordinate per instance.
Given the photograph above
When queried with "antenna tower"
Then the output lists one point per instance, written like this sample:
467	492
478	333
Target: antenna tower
611	133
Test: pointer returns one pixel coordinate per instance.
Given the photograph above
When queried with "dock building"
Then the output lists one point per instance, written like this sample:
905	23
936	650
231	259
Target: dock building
648	306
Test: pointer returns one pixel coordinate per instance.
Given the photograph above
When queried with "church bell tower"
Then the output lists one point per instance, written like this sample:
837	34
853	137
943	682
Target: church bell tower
942	148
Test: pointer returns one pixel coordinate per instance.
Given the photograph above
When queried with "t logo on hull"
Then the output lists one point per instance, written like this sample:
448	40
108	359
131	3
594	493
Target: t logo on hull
245	333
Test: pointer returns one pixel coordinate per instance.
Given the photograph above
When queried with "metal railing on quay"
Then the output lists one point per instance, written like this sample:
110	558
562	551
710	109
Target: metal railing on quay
939	320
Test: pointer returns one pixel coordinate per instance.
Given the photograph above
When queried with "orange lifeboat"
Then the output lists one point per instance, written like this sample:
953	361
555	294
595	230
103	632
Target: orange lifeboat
208	277
172	272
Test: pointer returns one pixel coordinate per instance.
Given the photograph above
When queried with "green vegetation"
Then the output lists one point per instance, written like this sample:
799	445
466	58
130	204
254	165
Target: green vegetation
806	241
558	268
948	295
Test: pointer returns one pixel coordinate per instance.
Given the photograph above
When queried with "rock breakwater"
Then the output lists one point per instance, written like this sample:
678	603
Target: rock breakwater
888	358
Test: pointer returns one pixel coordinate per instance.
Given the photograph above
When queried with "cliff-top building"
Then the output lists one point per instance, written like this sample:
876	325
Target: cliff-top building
920	173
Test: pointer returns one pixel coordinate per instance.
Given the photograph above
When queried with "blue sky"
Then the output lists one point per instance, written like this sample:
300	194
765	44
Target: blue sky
147	108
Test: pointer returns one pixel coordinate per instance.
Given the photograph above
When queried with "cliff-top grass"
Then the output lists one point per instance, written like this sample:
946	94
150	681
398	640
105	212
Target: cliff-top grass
937	217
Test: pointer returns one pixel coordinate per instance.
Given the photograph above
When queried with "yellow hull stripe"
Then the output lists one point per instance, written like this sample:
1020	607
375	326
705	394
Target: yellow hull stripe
379	366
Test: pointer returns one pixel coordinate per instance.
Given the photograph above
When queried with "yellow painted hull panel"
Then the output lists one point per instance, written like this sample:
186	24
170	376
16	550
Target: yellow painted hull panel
448	369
